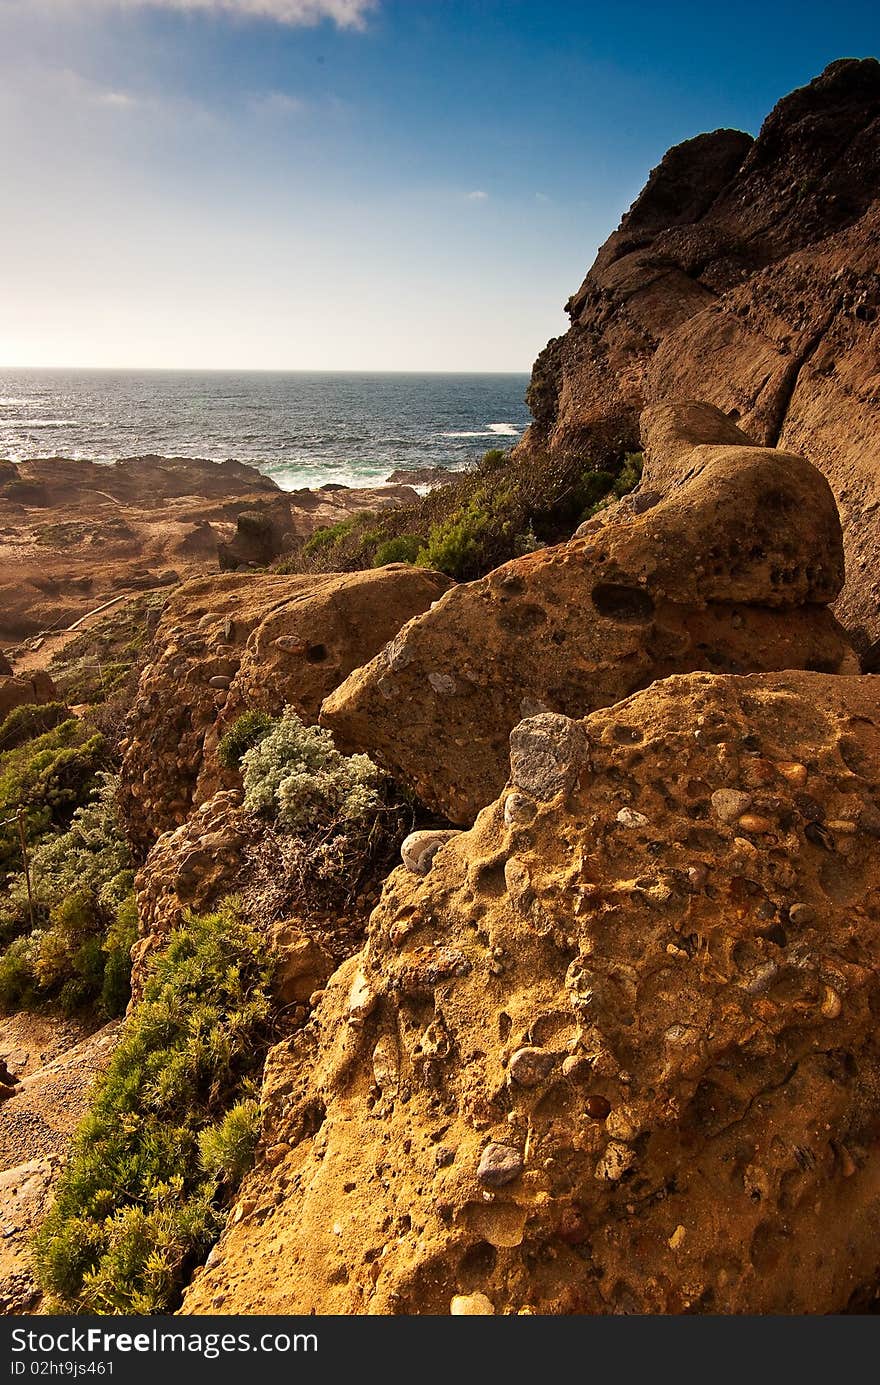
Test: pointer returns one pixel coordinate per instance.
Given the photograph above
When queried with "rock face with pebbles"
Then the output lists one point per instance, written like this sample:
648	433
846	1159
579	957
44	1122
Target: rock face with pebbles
745	274
230	643
730	570
616	1052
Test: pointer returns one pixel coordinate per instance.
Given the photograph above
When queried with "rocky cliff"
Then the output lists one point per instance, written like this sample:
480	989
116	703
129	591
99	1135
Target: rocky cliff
617	1051
746	275
612	1048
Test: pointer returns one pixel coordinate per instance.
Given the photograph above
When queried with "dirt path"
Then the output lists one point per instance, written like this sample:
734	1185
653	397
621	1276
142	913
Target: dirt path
53	643
56	1061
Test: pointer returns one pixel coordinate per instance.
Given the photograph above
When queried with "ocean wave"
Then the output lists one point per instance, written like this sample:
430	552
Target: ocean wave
27	423
491	430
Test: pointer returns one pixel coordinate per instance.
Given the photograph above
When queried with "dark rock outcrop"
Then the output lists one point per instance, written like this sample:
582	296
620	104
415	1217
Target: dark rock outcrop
746	275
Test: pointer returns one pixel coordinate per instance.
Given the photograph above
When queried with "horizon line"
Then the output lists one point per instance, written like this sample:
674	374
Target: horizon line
260	370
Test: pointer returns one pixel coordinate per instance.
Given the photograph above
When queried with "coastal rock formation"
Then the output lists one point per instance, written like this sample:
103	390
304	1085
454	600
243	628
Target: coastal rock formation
230	643
745	274
190	867
25	690
729	571
616	1051
74	534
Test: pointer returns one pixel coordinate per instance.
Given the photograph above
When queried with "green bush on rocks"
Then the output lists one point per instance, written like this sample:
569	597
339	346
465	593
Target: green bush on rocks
78	920
171	1130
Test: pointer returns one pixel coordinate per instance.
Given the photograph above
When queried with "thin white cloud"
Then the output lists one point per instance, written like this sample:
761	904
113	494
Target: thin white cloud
346	14
277	104
122	100
478	195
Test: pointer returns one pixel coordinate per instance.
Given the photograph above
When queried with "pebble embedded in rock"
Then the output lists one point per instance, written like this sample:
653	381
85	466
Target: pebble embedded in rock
219	681
529	1066
518	808
730	804
617	1160
754	822
546	753
627	817
361	999
792	771
577	1068
471	1306
598	1108
420	848
802	914
499	1164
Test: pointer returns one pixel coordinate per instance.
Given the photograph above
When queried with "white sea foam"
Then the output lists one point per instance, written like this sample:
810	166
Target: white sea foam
491	430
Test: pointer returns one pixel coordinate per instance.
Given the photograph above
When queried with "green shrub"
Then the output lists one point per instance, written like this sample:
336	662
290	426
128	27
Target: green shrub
83	914
404	549
592	488
16	975
244	733
49	778
630	474
119	939
297	776
328	537
505	506
226	1150
172	1119
23	723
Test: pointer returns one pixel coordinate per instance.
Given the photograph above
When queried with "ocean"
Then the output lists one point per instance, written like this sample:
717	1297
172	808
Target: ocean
302	429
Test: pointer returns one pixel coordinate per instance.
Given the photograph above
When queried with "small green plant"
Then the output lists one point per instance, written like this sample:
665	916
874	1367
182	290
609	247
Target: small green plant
24	723
298	777
226	1150
171	1130
404	549
78	915
47	778
630	474
326	538
244	733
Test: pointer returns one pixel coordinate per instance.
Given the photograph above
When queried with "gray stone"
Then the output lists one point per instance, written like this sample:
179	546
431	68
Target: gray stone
546	754
499	1164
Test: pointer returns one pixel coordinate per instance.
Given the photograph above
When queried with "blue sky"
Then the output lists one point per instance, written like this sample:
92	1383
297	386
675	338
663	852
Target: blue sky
335	184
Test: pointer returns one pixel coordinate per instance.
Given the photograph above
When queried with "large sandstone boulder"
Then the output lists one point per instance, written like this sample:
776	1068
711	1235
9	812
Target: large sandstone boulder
25	689
730	572
745	274
238	641
617	1051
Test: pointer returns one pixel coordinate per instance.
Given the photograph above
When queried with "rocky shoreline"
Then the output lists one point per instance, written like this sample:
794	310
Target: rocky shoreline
547	902
74	534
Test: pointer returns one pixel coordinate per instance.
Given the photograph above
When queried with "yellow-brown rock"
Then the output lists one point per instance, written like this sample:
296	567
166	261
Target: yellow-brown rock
25	689
701	1135
729	571
237	641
